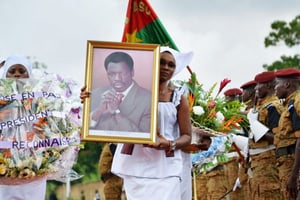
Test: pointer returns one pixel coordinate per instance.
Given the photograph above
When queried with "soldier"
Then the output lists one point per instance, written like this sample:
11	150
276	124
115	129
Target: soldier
248	94
287	136
217	184
113	184
231	168
221	179
233	94
225	174
201	182
264	183
248	97
203	144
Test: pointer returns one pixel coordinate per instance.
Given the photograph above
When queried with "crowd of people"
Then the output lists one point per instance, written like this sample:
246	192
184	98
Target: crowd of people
267	167
270	166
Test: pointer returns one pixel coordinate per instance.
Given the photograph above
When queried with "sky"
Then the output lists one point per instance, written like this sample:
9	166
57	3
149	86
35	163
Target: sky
226	36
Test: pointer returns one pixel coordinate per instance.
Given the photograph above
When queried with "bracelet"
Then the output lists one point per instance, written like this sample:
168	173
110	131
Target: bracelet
173	145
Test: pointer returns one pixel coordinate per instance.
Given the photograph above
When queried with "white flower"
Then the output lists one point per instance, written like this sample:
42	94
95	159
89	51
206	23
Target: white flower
220	116
198	110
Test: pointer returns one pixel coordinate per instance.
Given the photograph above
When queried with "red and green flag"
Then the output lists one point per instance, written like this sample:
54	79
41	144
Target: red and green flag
143	26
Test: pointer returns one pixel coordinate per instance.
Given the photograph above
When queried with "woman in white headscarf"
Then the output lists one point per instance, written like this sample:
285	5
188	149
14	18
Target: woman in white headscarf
19	67
159	171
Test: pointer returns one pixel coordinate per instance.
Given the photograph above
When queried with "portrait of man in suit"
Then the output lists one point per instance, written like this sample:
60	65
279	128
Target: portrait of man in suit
122	105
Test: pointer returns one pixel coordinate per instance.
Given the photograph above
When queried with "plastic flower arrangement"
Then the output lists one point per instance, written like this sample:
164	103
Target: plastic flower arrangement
39	128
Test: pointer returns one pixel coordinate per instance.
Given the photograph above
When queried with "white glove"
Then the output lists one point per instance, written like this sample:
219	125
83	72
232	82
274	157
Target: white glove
240	141
258	130
237	184
252	115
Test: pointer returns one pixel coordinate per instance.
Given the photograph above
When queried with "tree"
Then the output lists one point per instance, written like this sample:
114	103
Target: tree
285	62
288	34
87	162
86	165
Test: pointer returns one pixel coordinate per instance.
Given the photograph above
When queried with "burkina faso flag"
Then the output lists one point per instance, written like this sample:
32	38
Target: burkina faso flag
143	26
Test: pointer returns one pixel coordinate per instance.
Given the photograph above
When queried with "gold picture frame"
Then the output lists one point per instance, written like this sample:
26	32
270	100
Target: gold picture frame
135	119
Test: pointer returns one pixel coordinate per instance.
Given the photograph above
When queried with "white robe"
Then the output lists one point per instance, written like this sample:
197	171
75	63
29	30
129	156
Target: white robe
35	190
148	173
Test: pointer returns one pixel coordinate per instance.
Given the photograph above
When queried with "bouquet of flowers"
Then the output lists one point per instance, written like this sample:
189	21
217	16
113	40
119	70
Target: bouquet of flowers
216	116
214	112
39	128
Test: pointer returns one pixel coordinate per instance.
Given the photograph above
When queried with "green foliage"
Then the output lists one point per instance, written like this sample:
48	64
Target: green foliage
289	34
193	86
87	165
285	62
87	162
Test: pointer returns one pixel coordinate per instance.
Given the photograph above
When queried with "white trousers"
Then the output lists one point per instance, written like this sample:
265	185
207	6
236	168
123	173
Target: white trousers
35	190
152	188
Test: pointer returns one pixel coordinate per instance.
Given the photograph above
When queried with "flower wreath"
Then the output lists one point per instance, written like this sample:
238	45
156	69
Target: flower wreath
39	128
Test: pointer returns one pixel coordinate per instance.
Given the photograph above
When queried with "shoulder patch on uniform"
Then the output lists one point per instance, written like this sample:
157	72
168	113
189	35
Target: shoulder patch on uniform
291	105
297	104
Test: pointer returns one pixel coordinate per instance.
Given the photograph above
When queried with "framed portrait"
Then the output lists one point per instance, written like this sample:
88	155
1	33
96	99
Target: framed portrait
122	79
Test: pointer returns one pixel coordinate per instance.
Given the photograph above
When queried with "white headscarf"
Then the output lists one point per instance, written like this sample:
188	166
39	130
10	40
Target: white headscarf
1	68
182	59
16	59
2	59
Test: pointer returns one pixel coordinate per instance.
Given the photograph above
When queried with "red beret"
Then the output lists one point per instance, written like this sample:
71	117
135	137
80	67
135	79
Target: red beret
265	77
248	84
288	73
233	92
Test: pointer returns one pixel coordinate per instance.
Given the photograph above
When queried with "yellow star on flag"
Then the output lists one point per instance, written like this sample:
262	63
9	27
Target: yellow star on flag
132	37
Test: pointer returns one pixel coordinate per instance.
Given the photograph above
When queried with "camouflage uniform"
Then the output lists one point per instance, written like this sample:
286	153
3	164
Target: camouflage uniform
243	168
201	181
265	181
217	185
112	184
244	180
248	97
222	179
231	174
285	139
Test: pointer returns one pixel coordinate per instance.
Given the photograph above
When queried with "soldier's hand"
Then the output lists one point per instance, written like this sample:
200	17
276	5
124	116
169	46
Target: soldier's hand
292	186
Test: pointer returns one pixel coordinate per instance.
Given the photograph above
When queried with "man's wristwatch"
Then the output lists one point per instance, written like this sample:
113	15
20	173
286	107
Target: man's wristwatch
173	145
